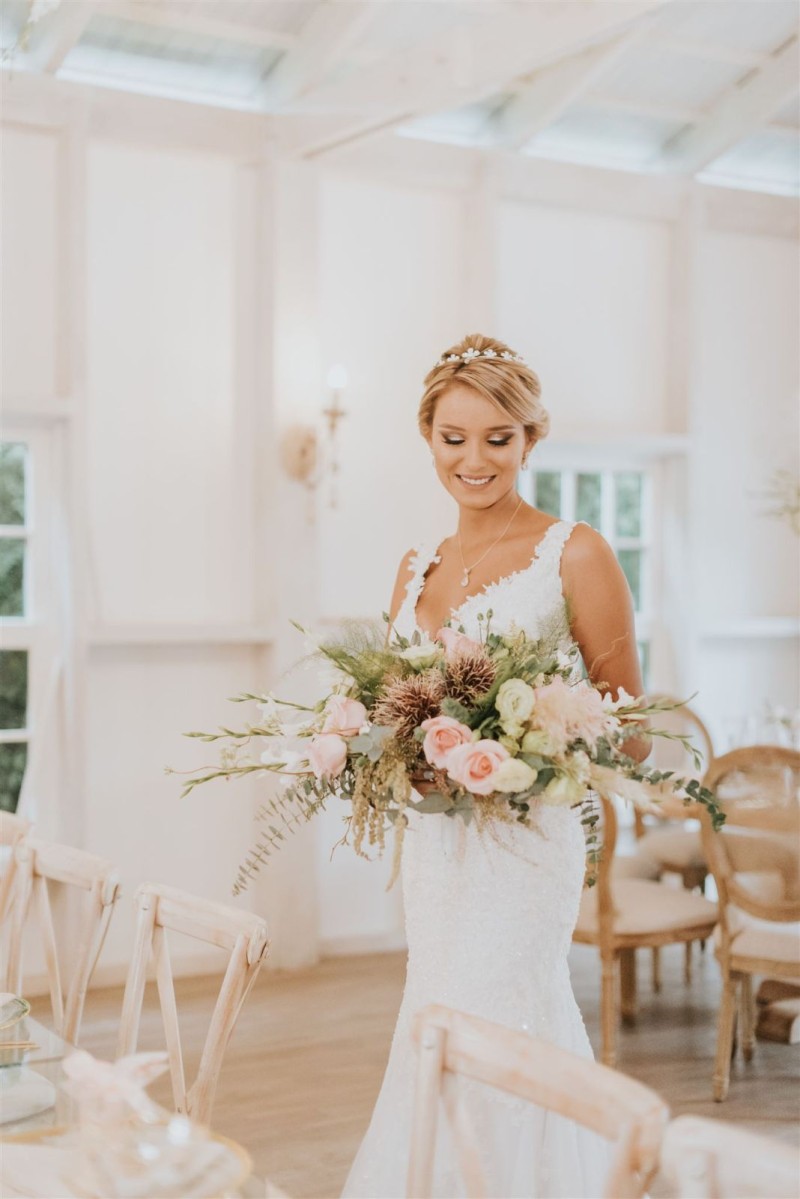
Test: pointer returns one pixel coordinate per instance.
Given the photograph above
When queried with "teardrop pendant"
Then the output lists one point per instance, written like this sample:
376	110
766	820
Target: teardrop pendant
465	579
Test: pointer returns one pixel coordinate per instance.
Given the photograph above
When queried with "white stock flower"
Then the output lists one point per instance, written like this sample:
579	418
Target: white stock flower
514	703
513	775
289	758
622	701
270	709
564	660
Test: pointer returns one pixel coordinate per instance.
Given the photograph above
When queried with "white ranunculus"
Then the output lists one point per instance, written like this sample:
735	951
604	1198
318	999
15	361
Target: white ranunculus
563	792
421	656
536	741
514	703
513	775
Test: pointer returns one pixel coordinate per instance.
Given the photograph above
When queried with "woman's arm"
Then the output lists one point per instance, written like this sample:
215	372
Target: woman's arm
601	619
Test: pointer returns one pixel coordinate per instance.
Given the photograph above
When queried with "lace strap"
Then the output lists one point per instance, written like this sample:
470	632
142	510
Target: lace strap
419	563
551	547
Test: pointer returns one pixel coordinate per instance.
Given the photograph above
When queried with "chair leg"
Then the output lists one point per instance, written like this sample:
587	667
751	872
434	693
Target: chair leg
747	1010
727	1016
656	968
687	963
627	976
608	1010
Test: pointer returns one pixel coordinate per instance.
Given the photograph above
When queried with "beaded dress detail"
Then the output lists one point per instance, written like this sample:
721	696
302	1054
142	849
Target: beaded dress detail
489	921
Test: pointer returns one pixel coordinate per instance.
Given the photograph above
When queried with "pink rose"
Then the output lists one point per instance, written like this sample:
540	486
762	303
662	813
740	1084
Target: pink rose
474	765
456	643
344	716
442	735
327	754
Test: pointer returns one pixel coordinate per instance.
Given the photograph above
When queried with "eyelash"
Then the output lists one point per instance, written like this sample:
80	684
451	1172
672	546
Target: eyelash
460	441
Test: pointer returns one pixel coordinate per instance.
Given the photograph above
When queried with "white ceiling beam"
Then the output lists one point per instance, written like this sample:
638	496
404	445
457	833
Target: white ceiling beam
53	37
187	20
462	66
327	36
738	113
551	91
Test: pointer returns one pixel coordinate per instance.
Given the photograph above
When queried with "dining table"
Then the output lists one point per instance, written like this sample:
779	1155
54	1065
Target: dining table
40	1125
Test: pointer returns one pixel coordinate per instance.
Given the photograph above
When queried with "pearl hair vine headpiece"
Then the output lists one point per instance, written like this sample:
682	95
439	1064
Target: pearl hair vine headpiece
472	353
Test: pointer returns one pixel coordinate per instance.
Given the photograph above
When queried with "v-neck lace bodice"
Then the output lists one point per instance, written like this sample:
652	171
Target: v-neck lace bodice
531	598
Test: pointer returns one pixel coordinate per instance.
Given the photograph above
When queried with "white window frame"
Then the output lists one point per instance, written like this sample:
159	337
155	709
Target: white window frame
570	462
33	631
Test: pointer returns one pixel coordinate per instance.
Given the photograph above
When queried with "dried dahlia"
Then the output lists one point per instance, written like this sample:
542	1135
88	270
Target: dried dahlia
407	702
469	676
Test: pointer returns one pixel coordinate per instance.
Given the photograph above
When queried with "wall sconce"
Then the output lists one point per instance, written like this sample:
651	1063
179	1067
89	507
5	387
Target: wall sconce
301	452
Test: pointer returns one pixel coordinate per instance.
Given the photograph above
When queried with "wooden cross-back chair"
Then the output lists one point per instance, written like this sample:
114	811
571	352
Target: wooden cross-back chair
709	1159
36	865
616	1107
664	845
621	915
670	755
12	830
243	933
755	861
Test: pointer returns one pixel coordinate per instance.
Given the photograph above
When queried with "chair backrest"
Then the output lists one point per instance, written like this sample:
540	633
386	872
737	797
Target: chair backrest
12	830
243	933
667	754
670	755
709	1159
759	790
618	1108
37	864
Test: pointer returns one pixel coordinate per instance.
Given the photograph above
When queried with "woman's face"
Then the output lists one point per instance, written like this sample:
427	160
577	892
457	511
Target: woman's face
477	447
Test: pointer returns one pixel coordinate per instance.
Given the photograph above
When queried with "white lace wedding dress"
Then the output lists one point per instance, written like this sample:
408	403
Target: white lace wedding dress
489	920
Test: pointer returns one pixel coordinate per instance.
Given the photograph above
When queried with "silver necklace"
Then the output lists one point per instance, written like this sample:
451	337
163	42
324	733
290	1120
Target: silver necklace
469	569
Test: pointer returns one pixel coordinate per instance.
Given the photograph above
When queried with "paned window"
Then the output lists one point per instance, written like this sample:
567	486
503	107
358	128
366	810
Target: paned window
617	504
16	621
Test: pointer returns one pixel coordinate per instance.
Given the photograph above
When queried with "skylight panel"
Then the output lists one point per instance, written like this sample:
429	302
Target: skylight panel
594	136
767	161
176	64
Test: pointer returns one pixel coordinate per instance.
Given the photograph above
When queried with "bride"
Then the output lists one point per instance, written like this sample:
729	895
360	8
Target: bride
490	914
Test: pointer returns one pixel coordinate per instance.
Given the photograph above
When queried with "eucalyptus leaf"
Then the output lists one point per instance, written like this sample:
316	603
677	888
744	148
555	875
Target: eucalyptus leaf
434	801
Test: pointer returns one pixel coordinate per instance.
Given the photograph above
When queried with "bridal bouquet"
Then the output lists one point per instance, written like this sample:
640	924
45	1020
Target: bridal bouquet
488	729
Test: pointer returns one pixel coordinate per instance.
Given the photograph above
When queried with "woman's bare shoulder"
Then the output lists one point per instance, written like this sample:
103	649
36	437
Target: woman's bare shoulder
588	561
586	546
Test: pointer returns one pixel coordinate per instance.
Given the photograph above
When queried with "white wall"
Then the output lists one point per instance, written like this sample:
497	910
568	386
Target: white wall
585	297
169	481
218	288
745	423
28	300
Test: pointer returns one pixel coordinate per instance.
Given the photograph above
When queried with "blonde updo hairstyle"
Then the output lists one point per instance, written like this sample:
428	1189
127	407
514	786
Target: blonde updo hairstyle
508	383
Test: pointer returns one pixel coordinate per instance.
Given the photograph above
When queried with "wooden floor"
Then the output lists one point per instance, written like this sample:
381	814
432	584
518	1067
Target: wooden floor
306	1061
